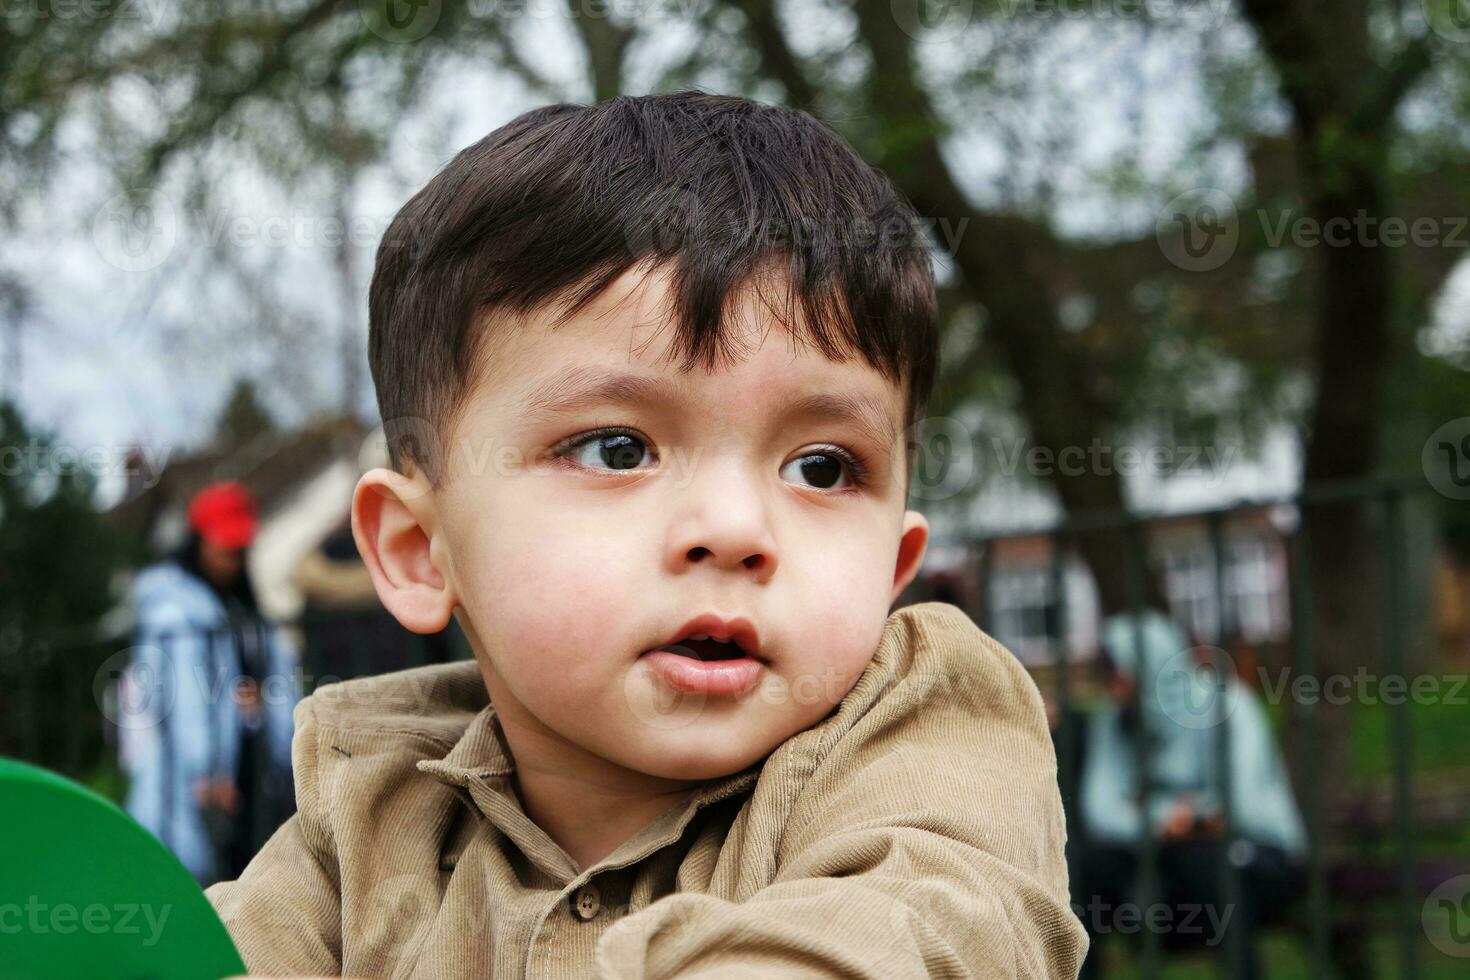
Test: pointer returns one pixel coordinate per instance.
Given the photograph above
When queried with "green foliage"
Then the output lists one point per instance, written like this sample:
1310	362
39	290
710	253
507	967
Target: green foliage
243	417
58	560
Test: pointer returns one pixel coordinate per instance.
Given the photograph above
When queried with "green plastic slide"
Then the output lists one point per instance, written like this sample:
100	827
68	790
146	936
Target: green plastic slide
85	891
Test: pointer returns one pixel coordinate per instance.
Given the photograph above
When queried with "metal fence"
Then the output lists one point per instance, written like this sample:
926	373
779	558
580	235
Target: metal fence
66	702
1334	940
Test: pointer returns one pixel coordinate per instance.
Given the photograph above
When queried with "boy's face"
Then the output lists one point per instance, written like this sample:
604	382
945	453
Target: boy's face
568	558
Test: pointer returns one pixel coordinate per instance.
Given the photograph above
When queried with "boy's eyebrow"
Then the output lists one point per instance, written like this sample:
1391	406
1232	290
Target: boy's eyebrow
582	386
863	411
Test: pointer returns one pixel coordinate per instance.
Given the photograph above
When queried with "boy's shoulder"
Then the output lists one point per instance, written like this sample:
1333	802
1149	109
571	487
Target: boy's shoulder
935	672
435	702
932	647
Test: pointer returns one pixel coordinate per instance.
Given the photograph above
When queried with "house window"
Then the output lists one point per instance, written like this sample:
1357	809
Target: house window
1021	610
1189	581
1253	584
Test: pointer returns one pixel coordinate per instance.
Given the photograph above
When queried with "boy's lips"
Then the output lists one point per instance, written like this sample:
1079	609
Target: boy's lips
717	677
710	654
737	631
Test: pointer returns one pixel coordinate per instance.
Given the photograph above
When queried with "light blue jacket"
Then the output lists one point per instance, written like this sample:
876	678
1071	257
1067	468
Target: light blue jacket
177	720
1181	704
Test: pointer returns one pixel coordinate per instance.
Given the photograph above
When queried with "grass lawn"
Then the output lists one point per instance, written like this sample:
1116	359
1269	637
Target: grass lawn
1285	957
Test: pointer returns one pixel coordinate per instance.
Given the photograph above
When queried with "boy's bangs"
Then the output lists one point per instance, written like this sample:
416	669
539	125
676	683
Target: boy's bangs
726	193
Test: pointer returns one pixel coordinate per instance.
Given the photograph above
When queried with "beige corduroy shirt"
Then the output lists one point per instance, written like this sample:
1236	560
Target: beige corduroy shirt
917	830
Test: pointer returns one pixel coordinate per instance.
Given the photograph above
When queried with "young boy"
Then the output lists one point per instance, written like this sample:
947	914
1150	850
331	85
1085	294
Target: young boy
650	370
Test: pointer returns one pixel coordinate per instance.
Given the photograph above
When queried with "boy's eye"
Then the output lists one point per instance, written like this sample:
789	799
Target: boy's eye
618	451
615	451
825	469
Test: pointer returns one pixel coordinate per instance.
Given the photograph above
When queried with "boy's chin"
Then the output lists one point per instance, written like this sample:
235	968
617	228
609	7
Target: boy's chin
684	762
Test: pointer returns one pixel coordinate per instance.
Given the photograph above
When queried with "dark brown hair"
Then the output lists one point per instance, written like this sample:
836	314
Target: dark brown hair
556	204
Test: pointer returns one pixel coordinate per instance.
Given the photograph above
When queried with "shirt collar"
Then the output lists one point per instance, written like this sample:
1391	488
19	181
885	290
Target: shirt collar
480	764
481	752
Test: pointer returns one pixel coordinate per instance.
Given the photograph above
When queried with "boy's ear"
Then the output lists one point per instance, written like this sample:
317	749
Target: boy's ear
911	548
393	523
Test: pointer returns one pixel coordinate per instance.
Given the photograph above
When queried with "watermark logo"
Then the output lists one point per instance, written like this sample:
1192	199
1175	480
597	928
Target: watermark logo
399	909
408	438
134	688
931	21
667	226
1446	917
146	13
135	230
400	21
35	458
1206	12
1199	230
656	704
1362	687
944	461
1446	459
138	687
1207	921
37	917
1450	19
1193	687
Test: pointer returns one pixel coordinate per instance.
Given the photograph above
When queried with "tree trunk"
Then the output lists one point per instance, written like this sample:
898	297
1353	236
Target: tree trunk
1343	102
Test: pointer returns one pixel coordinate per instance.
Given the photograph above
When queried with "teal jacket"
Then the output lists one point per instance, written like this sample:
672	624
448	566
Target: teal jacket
1180	705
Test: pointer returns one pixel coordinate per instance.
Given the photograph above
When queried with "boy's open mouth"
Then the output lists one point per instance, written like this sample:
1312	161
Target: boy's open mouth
711	637
706	649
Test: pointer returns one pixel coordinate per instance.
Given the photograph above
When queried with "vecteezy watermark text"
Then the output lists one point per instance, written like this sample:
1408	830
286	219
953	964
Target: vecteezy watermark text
38	917
1185	919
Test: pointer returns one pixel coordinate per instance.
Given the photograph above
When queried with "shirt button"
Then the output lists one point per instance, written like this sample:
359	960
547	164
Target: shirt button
587	901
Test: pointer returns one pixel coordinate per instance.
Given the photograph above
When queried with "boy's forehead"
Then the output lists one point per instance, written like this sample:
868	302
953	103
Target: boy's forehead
622	347
572	387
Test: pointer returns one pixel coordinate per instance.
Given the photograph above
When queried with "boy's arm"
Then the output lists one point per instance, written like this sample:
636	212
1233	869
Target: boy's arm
284	911
928	839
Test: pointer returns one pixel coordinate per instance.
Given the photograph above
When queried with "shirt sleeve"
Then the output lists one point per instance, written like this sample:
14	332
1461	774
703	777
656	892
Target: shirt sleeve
284	911
928	838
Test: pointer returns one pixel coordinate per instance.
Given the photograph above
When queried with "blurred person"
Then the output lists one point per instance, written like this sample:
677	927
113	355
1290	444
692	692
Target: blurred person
1159	689
205	731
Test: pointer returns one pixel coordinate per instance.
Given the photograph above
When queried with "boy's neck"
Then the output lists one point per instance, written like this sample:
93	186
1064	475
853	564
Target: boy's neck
589	821
585	803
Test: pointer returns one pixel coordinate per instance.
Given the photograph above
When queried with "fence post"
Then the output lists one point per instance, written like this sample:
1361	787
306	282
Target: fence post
1233	961
1306	658
1148	873
1393	633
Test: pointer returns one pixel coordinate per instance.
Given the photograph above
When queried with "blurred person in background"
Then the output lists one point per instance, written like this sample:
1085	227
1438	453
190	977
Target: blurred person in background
1157	689
207	700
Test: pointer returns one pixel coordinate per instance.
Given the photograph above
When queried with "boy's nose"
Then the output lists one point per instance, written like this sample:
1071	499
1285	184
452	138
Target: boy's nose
760	563
744	548
722	522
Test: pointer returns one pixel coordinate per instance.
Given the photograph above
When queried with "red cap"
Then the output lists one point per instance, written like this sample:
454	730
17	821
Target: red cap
224	515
